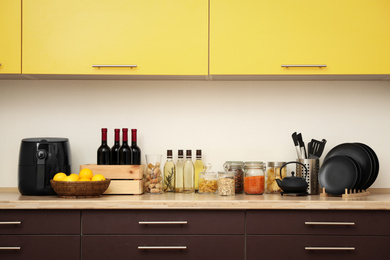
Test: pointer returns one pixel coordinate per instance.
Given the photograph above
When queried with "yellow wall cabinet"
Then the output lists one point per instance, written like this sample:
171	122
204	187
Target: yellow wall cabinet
318	37
118	37
10	37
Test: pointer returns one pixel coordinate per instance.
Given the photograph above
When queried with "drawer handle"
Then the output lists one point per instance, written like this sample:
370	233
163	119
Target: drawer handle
162	222
330	223
162	247
10	248
330	248
114	66
304	65
10	223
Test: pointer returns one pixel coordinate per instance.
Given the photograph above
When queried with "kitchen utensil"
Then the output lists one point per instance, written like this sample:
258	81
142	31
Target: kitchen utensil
360	156
316	148
310	174
338	173
296	144
302	146
39	160
292	185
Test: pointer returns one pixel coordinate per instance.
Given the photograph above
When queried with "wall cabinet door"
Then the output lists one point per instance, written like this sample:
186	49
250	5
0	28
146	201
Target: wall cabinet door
259	37
159	37
10	37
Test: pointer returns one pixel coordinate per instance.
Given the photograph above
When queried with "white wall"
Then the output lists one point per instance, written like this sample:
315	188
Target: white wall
228	120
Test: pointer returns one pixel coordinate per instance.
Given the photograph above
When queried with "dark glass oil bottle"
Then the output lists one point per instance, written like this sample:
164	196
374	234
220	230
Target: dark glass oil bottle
124	150
115	148
135	150
103	153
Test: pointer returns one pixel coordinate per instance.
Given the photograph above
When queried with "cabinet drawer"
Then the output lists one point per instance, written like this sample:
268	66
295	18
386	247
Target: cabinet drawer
325	222
178	222
317	247
170	247
39	247
39	222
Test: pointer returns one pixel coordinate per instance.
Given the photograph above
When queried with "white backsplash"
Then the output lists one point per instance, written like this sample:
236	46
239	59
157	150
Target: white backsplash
228	120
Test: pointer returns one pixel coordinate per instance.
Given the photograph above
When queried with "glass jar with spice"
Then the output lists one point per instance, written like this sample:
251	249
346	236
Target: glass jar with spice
254	178
273	173
226	183
236	167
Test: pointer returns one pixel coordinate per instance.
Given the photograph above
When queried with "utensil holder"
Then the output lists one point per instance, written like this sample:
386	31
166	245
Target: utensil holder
313	167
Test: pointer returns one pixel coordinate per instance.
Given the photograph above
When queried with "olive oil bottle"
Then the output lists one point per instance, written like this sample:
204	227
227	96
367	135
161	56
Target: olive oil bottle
179	178
169	173
199	167
189	173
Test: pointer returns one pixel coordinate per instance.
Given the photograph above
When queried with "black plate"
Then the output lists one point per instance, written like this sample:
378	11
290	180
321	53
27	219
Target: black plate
360	156
375	170
337	174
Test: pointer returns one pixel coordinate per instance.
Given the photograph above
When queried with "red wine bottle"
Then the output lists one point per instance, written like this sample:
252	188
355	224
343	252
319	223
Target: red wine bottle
115	148
124	150
103	153
135	150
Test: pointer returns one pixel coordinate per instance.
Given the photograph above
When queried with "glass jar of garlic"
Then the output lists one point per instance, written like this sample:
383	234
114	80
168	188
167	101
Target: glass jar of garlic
273	173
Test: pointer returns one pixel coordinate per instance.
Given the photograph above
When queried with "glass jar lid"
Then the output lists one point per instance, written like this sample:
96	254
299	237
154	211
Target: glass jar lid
275	164
254	165
227	174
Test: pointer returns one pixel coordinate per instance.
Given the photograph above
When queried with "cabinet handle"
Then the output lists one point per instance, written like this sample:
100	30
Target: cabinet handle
162	222
10	223
114	66
330	223
329	248
304	65
10	248
162	247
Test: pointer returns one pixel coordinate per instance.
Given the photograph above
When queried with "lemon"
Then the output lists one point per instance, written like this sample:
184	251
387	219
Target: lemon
59	176
69	178
98	177
86	173
84	179
74	176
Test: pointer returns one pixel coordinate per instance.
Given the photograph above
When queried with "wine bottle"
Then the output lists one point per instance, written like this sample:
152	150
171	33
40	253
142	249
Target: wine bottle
179	180
135	150
103	152
124	150
169	173
189	173
115	148
199	167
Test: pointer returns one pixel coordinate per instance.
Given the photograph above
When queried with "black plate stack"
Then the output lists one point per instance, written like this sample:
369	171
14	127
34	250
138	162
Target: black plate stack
348	166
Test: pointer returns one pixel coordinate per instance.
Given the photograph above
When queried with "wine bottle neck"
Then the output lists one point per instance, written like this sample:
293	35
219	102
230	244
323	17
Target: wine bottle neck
104	135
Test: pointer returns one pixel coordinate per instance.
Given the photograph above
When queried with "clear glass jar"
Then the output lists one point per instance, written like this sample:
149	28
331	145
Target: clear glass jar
273	173
254	178
237	168
208	181
154	176
226	186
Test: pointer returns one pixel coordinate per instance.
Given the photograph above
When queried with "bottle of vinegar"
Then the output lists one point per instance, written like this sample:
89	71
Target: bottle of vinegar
179	180
199	167
103	152
115	148
124	151
135	150
189	173
169	173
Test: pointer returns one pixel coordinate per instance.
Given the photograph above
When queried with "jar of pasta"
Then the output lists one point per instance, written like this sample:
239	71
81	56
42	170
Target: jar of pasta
236	167
273	173
207	180
254	178
226	185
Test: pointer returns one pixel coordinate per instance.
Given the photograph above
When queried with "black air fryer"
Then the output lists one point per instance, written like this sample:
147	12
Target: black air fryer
39	160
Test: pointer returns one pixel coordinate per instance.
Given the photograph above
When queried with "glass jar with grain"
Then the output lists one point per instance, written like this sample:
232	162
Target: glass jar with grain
226	183
236	167
273	173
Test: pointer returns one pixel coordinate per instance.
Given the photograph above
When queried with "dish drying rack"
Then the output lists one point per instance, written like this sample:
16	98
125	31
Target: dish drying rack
348	193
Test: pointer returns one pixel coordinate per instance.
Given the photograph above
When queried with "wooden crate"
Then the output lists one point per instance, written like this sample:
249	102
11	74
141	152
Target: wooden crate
125	179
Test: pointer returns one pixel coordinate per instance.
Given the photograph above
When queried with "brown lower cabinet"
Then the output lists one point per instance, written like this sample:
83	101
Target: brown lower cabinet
317	247
40	247
162	247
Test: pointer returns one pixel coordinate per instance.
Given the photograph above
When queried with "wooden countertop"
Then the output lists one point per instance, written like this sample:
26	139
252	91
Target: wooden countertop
10	198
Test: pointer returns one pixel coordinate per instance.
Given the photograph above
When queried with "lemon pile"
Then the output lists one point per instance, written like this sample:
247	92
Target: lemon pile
84	175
